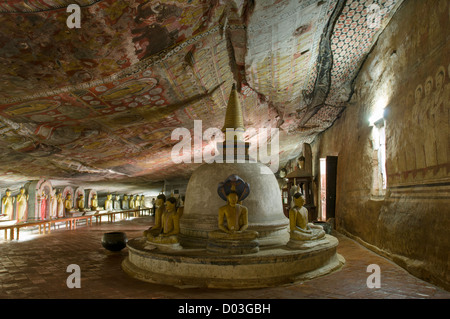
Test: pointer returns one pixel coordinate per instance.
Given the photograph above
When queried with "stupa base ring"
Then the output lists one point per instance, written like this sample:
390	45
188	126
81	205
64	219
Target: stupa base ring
197	268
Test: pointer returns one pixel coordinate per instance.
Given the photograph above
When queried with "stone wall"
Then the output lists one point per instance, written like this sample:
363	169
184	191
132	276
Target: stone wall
408	72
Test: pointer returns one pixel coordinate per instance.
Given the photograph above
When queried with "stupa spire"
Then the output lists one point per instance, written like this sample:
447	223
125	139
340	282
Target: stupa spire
233	117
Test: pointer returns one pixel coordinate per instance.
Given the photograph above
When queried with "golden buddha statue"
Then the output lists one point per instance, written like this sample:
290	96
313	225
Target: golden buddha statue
302	234
109	203
125	202
233	217
160	208
80	203
170	226
68	204
7	205
22	205
233	236
94	202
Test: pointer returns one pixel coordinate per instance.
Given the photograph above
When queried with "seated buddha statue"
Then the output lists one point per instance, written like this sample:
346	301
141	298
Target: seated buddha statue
109	203
132	203
68	204
302	233
170	226
80	203
125	202
160	208
233	235
94	203
116	203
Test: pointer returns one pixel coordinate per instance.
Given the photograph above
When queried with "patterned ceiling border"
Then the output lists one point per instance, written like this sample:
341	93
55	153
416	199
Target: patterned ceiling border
130	71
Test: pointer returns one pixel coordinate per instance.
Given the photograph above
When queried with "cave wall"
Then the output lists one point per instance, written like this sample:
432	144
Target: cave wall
408	70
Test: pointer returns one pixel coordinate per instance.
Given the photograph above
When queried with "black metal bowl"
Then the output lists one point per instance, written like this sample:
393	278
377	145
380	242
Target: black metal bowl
114	241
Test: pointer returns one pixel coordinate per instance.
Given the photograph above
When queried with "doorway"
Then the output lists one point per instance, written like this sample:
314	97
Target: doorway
328	175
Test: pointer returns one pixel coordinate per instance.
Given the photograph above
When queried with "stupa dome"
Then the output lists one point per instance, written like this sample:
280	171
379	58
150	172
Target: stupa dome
265	209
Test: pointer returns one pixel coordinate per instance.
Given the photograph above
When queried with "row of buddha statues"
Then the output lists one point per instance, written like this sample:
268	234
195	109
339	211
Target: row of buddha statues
232	235
57	206
116	204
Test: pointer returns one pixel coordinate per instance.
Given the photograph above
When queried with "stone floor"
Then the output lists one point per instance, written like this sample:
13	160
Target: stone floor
36	267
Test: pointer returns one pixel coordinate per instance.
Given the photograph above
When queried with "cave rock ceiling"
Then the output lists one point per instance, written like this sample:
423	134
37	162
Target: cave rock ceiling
100	102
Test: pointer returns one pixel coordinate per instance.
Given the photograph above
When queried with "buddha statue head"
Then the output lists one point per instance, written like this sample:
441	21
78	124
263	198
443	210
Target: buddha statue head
232	198
299	199
160	200
170	204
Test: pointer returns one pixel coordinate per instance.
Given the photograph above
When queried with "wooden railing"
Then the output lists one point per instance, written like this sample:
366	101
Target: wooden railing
71	222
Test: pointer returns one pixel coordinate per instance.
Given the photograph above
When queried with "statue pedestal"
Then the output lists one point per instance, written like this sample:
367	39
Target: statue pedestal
268	267
163	247
306	244
240	243
74	213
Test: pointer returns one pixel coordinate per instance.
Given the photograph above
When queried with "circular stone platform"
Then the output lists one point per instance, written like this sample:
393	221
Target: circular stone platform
198	268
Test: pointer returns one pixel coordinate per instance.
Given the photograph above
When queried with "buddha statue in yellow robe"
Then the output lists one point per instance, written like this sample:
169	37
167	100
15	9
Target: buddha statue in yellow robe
80	203
233	235
160	208
68	204
233	217
8	205
94	202
109	203
302	233
170	226
22	205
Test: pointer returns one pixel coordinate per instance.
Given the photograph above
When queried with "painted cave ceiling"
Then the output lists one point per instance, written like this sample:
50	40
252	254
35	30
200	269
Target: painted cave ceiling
99	102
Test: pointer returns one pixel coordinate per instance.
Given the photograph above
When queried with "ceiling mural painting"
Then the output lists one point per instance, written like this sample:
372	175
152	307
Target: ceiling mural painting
100	102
